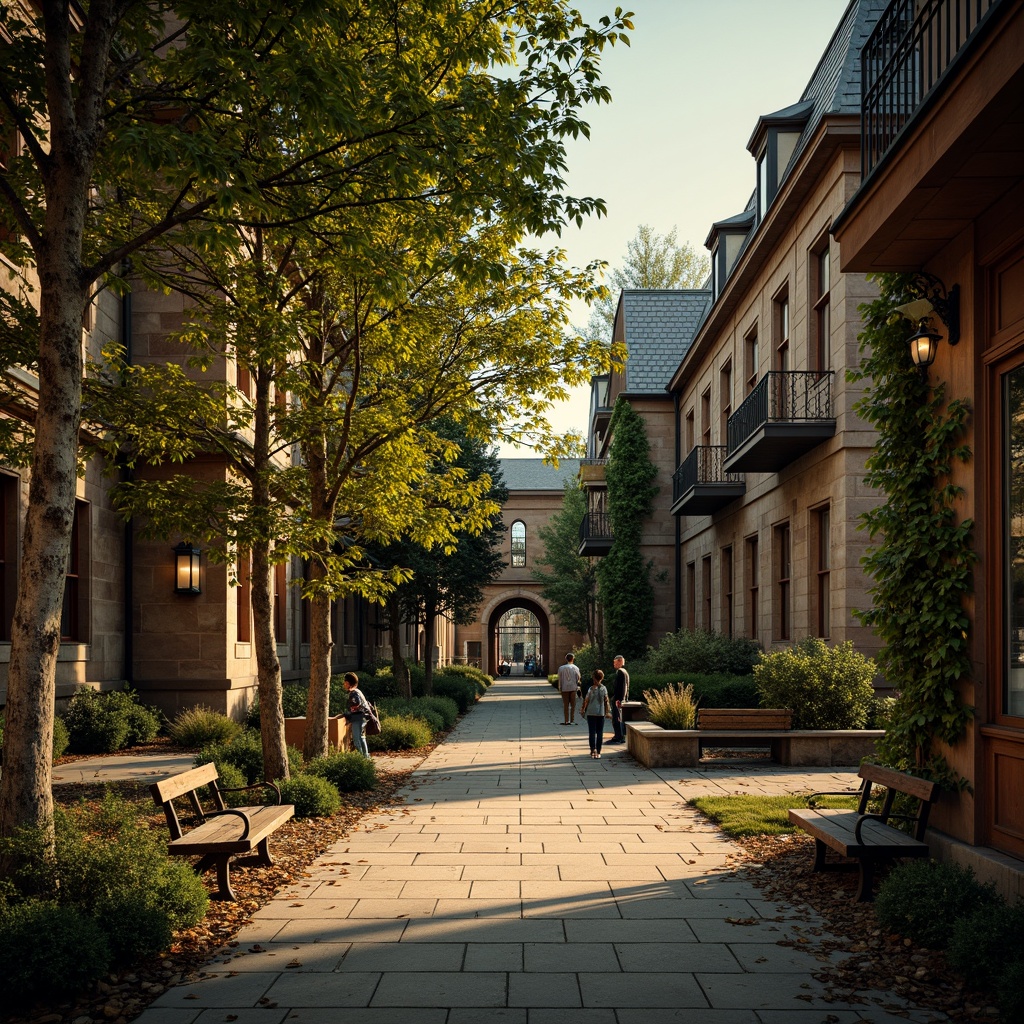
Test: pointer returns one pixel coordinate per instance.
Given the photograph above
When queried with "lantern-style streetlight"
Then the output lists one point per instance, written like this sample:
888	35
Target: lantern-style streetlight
186	569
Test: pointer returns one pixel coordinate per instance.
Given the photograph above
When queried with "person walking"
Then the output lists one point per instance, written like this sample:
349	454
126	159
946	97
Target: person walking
620	692
596	708
568	684
357	713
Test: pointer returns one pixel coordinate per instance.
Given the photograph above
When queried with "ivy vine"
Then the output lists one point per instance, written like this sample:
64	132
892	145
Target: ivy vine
921	557
624	576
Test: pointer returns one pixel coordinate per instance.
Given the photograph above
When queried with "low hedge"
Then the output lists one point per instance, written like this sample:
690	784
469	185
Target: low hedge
346	770
103	723
400	732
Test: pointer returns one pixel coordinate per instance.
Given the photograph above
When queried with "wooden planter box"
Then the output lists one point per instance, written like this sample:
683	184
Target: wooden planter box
338	733
655	747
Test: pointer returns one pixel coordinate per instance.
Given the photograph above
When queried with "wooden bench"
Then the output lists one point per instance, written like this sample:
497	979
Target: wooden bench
865	837
775	719
222	832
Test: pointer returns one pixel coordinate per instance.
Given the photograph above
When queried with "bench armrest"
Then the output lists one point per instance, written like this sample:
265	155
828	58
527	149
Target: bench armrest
835	792
884	819
238	814
255	785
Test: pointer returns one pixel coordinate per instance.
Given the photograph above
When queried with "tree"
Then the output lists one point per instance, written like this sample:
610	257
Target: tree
652	261
571	585
624	577
449	579
138	119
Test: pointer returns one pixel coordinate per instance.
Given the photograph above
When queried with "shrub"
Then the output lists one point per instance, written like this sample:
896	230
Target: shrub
244	752
102	723
346	770
987	948
673	708
703	651
826	687
919	898
46	948
445	707
462	691
401	732
197	727
294	700
415	708
61	737
313	796
471	672
375	688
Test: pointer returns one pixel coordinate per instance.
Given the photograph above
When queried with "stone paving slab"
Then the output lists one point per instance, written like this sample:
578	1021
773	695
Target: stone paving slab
525	883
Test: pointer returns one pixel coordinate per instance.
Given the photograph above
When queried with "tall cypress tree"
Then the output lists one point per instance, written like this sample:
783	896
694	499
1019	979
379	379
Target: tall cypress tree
624	576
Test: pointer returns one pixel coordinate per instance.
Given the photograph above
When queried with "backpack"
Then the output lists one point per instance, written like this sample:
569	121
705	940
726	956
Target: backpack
372	726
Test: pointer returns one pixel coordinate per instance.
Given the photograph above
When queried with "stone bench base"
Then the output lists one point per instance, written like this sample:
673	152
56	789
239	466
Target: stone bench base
655	747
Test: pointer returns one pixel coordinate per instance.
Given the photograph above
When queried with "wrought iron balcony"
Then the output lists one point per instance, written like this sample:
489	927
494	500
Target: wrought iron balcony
905	58
701	484
595	534
787	414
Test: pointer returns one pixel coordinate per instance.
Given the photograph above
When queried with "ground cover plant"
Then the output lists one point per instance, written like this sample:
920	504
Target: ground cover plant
751	815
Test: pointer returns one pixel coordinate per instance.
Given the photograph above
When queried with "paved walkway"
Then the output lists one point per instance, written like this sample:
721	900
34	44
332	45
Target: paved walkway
523	882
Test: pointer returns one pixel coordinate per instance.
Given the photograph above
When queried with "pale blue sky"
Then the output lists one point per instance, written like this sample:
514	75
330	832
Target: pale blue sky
670	149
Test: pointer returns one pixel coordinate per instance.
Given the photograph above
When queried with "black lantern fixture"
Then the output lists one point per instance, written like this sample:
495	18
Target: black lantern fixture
934	302
186	569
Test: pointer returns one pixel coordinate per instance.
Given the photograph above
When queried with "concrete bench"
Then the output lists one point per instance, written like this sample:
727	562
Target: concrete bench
868	838
222	832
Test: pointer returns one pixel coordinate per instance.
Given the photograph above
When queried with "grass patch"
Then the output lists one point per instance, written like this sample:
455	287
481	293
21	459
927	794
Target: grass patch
739	816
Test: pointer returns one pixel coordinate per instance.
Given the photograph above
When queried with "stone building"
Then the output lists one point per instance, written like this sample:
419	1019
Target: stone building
514	621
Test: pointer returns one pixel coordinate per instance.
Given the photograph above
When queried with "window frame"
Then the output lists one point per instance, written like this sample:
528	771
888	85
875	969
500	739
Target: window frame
823	570
517	551
821	304
727	575
782	535
753	559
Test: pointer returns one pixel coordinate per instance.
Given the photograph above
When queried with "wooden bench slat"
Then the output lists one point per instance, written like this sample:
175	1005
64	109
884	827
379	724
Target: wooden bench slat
221	834
836	828
923	789
179	785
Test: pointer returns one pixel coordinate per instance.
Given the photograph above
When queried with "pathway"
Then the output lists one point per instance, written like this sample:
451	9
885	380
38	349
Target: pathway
523	882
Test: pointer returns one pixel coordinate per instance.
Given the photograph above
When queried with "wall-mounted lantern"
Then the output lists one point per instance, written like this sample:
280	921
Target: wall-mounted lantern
186	569
933	302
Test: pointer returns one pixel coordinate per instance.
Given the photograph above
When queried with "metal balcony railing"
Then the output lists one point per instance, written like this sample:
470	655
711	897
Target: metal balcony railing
596	526
782	396
594	462
904	59
702	466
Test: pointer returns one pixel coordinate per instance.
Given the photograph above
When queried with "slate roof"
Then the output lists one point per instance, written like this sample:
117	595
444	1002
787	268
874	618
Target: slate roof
659	325
537	475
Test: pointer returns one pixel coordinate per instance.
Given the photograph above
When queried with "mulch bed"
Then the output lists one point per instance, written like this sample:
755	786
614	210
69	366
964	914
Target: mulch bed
882	962
119	998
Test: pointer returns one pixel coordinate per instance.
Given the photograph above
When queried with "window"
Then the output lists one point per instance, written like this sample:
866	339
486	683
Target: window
820	283
781	328
351	611
1012	702
689	434
753	582
243	379
762	184
783	580
727	584
705	417
9	492
750	358
474	652
243	599
281	603
518	544
823	528
705	582
725	401
691	596
71	617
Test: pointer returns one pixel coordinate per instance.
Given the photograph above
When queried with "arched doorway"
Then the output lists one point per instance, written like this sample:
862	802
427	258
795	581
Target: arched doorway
518	635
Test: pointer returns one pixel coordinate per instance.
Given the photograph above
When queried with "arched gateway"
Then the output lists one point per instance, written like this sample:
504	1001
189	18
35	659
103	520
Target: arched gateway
518	633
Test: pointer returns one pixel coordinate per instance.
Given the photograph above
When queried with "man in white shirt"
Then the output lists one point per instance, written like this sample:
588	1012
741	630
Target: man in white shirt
568	683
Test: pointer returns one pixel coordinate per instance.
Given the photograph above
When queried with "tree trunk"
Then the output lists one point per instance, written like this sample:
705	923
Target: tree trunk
399	669
318	707
26	797
268	665
429	627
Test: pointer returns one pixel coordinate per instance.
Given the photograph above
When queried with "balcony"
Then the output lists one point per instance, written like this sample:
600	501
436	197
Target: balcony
786	415
595	534
701	485
592	472
906	58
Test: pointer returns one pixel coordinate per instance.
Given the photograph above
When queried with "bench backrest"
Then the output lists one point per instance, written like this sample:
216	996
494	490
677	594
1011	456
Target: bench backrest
187	783
923	790
744	718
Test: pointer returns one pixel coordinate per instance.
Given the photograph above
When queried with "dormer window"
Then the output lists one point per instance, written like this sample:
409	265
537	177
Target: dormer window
772	145
726	242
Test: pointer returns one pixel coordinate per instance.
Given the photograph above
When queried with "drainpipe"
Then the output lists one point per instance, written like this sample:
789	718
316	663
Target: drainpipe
128	558
679	525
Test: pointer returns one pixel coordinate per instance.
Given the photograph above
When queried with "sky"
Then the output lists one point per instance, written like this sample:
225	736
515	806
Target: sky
670	149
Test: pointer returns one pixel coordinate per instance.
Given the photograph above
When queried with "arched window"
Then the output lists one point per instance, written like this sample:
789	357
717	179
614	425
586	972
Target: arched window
518	544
